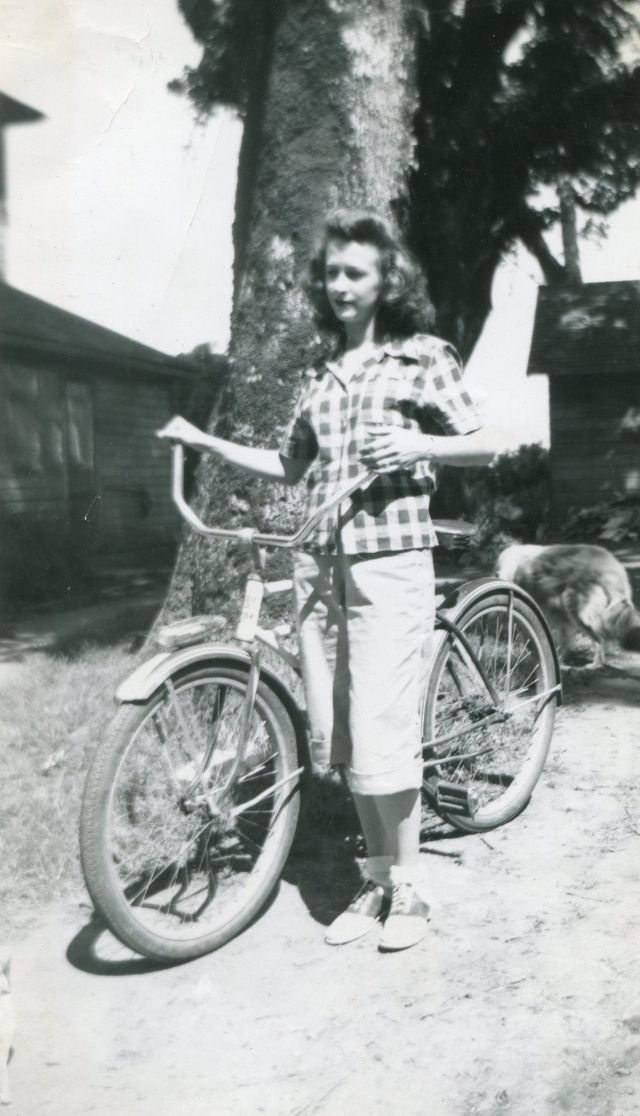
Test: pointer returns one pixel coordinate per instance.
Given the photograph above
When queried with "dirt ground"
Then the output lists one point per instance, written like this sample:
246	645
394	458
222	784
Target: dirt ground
524	997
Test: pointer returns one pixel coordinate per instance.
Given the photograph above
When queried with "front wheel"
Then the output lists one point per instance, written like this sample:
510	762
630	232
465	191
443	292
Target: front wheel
181	844
489	713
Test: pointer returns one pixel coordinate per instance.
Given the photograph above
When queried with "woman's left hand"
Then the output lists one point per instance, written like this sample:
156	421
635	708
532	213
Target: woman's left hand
388	448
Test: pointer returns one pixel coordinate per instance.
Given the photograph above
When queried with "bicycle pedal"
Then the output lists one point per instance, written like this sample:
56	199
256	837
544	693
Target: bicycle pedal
452	798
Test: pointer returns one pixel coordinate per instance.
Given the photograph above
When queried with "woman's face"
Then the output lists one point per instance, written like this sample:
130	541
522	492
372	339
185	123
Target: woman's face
353	281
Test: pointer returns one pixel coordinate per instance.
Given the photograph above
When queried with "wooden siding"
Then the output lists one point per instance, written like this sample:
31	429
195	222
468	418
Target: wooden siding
80	452
593	458
133	469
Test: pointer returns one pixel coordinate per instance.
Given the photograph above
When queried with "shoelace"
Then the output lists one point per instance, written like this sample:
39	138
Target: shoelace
401	898
361	899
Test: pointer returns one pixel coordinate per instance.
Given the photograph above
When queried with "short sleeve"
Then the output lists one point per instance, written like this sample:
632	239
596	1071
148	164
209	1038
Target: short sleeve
299	441
441	394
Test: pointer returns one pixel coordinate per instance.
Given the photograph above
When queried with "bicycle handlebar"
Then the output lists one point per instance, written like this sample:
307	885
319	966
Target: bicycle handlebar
249	534
287	542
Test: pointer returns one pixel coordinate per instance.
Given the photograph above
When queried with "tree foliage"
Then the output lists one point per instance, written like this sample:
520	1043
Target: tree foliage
514	96
231	32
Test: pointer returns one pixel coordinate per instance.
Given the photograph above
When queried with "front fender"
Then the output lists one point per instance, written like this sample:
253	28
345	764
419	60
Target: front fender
470	592
149	676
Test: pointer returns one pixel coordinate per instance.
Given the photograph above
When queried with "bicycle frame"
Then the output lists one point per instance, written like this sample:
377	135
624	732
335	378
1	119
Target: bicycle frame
245	650
142	683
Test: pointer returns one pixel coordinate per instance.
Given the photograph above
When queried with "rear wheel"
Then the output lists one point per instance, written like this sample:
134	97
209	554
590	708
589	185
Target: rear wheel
487	731
181	845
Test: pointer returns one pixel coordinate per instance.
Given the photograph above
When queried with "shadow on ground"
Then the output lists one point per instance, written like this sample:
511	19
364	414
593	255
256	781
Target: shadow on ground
95	951
329	847
119	605
618	682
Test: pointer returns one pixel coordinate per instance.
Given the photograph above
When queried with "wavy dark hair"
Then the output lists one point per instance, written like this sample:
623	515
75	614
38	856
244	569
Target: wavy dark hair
405	307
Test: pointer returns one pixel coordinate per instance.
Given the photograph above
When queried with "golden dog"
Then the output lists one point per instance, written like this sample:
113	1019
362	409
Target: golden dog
583	591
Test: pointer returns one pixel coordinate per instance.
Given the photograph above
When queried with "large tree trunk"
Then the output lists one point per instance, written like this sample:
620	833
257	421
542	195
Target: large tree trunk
329	122
569	227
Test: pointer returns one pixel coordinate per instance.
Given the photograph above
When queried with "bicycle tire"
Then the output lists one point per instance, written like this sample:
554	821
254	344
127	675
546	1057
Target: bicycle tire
172	877
496	758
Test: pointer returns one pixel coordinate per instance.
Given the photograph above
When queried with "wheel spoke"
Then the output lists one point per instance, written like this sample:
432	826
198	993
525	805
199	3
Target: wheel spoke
492	751
193	839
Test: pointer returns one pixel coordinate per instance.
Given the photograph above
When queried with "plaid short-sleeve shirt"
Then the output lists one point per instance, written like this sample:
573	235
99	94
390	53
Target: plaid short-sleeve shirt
416	384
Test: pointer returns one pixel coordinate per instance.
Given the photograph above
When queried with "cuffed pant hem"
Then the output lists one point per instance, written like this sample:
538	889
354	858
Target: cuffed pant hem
387	782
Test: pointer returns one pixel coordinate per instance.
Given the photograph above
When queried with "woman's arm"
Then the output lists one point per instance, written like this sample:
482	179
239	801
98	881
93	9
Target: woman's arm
395	447
251	459
478	448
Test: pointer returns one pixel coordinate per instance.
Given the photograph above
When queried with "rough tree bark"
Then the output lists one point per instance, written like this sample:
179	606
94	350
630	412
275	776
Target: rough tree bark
329	121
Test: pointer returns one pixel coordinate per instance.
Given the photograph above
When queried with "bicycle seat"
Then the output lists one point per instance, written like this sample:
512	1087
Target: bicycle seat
455	528
454	534
194	629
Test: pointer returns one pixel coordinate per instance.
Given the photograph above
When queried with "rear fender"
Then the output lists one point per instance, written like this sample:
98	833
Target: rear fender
472	592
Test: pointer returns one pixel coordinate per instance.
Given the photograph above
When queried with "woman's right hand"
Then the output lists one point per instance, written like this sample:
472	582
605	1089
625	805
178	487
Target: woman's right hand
179	430
262	462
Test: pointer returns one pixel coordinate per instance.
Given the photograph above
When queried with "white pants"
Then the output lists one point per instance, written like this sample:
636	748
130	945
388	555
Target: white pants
365	624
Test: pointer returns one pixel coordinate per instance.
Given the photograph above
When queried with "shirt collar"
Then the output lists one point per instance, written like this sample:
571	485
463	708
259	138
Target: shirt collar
406	348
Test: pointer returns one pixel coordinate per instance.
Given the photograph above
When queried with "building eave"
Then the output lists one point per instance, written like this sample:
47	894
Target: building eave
589	329
31	328
15	112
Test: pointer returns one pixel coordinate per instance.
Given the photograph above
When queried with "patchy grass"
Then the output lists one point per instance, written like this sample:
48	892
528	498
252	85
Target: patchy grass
53	714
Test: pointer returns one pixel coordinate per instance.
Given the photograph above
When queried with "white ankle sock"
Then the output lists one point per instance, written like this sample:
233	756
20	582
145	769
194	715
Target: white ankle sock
401	874
377	869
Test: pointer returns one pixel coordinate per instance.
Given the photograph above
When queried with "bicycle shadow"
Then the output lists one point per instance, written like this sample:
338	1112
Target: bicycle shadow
94	950
323	863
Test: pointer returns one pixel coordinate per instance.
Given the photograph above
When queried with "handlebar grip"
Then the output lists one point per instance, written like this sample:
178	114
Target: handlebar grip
186	511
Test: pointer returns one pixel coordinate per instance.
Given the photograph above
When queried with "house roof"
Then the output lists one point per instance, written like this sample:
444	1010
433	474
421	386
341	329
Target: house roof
14	112
32	329
593	328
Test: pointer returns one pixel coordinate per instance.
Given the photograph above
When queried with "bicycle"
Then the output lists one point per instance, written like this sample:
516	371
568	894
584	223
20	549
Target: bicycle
190	806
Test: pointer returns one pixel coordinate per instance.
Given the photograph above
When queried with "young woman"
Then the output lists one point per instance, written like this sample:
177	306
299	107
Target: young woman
391	399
